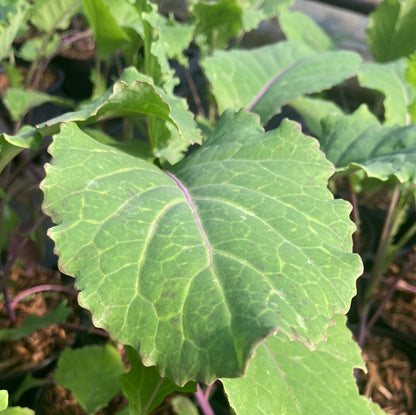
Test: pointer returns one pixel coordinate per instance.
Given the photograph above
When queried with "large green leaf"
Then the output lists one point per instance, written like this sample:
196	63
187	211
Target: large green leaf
291	379
92	374
390	79
267	78
360	141
194	266
391	32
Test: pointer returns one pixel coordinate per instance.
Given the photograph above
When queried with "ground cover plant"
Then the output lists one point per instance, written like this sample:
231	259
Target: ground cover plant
209	247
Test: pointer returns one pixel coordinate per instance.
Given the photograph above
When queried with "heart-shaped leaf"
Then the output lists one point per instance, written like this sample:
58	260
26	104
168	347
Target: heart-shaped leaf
194	266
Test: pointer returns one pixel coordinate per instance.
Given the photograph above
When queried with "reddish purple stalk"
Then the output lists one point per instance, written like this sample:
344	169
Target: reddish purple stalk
203	399
41	288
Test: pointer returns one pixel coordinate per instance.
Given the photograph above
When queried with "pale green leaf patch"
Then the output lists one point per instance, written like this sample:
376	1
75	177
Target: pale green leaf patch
92	374
291	379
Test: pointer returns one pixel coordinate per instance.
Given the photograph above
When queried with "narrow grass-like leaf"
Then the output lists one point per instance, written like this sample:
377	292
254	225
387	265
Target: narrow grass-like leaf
291	379
194	266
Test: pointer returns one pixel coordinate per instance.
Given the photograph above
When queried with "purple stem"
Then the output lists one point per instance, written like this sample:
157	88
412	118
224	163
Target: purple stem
404	286
267	86
194	211
203	399
9	308
367	326
41	288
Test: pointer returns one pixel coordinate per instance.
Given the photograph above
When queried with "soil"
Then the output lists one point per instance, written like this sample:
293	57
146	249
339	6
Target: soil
30	351
390	351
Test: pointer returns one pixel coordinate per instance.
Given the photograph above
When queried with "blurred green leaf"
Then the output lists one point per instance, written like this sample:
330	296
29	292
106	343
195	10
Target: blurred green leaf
391	32
144	387
92	374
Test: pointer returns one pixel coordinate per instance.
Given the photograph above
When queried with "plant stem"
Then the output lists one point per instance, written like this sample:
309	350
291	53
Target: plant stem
41	288
203	399
385	241
194	93
266	87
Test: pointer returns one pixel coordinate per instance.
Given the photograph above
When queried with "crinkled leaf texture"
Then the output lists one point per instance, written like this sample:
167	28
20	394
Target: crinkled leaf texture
194	266
360	141
291	379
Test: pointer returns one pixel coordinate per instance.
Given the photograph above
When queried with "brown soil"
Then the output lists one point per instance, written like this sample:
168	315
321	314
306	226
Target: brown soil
30	351
389	354
81	49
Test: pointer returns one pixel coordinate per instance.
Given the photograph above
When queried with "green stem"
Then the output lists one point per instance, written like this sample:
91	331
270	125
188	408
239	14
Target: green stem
387	234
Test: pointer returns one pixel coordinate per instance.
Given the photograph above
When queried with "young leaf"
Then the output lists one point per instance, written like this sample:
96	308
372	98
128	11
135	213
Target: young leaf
217	22
173	125
291	379
360	141
267	78
91	374
19	101
144	387
193	267
390	79
12	16
33	323
49	16
313	110
391	32
300	27
255	11
108	34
